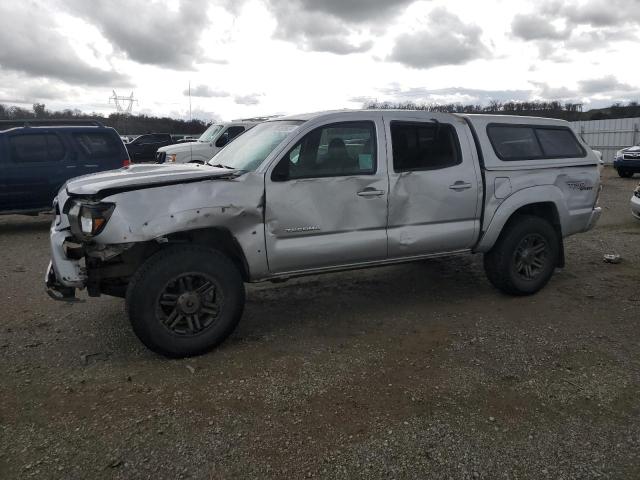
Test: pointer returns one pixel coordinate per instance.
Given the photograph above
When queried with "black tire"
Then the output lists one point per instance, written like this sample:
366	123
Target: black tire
185	300
525	256
625	173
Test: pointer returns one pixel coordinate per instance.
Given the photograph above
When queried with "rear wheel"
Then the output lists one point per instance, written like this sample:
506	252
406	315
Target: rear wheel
185	300
524	257
625	173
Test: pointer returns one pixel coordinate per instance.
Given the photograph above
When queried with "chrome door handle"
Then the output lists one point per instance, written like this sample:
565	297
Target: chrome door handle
370	192
459	186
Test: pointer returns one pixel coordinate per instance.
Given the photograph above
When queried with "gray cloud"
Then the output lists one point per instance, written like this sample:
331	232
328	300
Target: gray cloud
45	52
356	11
596	13
606	84
589	25
533	27
326	26
445	41
252	99
546	92
598	92
607	88
450	95
205	91
149	32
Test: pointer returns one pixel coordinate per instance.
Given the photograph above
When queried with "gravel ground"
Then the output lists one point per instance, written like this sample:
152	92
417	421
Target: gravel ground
414	371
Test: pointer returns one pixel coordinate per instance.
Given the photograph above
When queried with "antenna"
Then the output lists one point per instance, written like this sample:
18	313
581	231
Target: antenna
124	105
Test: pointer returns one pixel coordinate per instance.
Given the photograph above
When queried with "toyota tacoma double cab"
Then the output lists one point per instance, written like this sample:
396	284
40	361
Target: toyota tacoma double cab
317	193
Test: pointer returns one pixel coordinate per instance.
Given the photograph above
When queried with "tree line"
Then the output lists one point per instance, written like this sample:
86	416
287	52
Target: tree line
124	124
552	109
139	124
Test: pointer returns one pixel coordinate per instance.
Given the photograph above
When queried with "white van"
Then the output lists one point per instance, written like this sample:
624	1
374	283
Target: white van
209	143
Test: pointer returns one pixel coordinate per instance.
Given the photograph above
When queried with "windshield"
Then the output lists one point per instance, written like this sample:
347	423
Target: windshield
250	149
209	133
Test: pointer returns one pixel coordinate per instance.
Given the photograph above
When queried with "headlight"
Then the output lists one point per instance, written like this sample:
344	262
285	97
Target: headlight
89	219
171	158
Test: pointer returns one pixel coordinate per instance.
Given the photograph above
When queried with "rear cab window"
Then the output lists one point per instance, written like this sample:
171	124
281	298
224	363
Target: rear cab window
533	142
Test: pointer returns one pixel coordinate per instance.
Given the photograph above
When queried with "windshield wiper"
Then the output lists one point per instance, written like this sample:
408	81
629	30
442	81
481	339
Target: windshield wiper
219	165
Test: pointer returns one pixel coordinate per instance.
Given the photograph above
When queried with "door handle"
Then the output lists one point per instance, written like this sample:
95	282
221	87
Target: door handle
370	192
460	185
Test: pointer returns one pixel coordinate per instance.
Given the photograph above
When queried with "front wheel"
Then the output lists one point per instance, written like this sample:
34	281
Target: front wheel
185	300
524	257
625	173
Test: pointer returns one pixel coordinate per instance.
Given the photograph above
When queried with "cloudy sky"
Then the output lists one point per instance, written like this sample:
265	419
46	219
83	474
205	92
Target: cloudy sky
261	57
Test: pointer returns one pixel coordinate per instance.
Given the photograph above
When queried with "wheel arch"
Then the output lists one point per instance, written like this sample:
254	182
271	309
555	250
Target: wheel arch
218	238
527	202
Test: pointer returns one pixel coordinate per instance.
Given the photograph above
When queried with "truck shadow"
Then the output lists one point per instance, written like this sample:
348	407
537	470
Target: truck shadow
340	303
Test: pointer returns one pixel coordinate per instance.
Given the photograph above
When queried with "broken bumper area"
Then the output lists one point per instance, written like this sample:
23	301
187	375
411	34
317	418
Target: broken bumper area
63	275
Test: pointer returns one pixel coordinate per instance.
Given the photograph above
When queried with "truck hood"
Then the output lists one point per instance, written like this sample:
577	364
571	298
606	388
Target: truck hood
136	177
634	149
180	147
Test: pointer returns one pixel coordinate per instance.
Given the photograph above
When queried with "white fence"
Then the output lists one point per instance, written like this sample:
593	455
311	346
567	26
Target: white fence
608	136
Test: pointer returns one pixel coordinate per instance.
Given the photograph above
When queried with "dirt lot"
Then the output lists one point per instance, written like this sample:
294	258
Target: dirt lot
412	371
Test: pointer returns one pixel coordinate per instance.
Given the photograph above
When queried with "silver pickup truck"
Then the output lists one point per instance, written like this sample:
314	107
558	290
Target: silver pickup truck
318	193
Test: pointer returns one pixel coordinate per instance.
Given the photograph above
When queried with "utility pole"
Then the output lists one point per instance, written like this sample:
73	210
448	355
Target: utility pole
190	118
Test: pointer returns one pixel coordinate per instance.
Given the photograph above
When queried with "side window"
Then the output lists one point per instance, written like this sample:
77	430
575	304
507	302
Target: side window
36	148
524	142
514	142
55	147
234	132
97	145
423	146
334	150
559	142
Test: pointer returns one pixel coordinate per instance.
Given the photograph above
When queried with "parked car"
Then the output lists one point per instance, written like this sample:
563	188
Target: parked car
187	139
627	161
204	148
38	157
635	202
318	193
144	147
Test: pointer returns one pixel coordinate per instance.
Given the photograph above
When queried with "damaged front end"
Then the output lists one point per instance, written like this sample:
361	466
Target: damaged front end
104	233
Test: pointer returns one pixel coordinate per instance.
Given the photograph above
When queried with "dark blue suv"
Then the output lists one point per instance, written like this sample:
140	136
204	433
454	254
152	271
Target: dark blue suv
37	157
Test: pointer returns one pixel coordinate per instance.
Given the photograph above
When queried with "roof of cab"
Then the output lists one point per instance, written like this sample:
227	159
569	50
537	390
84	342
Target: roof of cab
482	118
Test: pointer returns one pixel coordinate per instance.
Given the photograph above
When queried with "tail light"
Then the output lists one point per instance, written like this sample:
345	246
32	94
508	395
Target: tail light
126	162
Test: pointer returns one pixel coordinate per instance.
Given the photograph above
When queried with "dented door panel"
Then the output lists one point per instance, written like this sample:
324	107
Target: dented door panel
434	211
